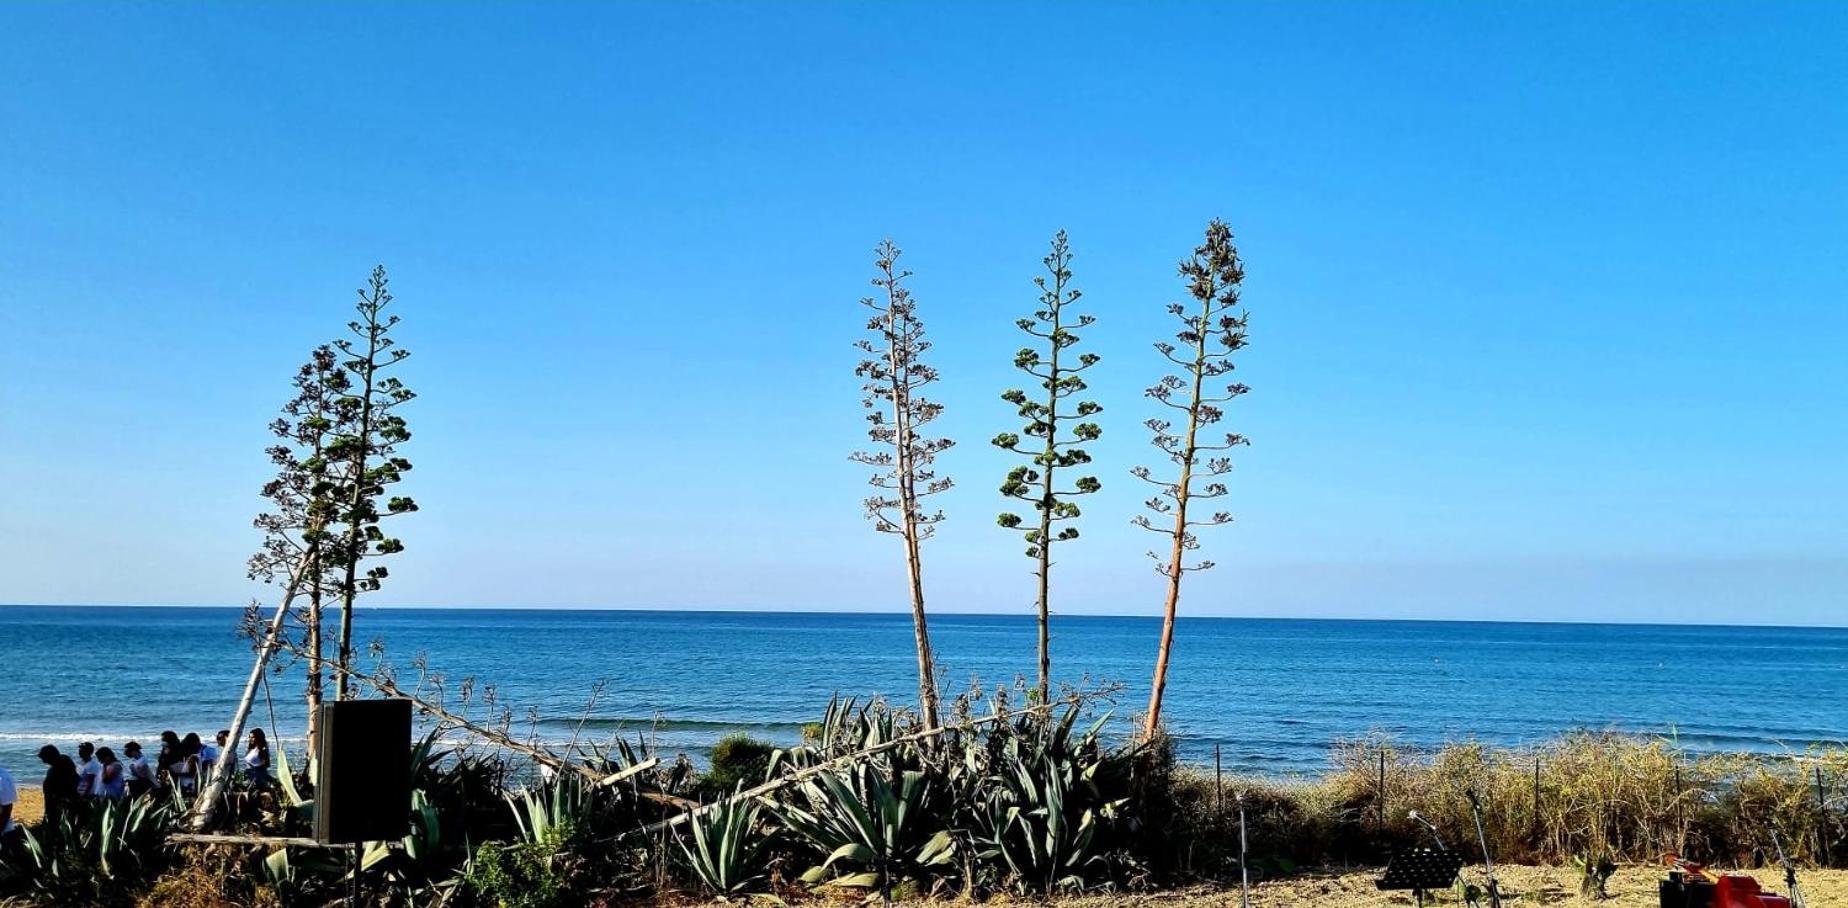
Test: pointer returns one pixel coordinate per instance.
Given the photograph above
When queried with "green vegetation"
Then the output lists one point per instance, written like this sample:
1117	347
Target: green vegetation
725	850
97	853
303	499
1058	376
994	802
522	874
737	760
363	440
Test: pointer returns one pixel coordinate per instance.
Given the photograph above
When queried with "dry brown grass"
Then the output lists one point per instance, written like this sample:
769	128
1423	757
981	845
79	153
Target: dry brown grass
1630	798
1632	887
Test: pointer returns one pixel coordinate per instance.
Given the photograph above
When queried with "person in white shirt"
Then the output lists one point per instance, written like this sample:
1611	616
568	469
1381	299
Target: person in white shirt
135	768
9	794
89	772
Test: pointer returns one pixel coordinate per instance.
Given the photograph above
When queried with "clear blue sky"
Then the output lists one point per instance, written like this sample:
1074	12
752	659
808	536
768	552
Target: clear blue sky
1547	299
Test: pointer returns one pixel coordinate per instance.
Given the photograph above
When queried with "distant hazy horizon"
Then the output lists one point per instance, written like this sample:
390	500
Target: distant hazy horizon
897	610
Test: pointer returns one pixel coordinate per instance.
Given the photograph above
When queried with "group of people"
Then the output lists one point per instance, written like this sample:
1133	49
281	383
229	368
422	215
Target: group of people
183	765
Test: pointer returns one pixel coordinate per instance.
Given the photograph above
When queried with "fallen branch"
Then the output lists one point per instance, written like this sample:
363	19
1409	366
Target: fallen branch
637	769
538	755
825	765
194	838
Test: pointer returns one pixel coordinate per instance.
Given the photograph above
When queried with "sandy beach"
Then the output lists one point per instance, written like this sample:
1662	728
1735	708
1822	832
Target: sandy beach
30	806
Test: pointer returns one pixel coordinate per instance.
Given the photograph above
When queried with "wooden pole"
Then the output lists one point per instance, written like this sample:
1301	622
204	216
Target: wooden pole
1382	787
1219	789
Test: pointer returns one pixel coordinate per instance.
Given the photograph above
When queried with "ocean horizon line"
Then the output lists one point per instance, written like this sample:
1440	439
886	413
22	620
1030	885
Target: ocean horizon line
757	610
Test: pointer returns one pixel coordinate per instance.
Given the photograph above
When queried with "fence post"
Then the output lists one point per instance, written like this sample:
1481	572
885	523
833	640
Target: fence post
1382	786
1219	796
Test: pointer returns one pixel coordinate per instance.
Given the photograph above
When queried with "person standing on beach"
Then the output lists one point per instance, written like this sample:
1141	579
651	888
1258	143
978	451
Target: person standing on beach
60	785
89	772
138	774
113	781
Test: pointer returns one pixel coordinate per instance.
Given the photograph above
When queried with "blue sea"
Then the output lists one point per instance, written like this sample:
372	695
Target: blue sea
1271	694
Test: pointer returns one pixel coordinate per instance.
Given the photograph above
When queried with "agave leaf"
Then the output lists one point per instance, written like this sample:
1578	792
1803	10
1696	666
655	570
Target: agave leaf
852	851
941	849
375	854
287	778
277	868
866	880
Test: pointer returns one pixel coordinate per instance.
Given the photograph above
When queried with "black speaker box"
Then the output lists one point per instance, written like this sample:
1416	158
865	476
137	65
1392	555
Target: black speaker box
362	788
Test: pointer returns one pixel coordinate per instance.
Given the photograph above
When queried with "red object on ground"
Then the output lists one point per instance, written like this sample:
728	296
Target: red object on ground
1734	891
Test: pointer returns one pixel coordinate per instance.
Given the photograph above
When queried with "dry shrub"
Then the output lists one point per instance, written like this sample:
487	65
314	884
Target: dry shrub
210	877
1595	796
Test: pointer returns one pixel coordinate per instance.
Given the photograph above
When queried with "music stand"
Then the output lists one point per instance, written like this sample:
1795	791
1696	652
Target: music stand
1421	870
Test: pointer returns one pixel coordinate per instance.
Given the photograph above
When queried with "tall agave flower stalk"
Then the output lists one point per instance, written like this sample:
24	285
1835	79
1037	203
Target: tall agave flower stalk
1212	330
895	376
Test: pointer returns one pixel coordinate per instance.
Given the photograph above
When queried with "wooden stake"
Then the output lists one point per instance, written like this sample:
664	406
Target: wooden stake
1219	790
1382	787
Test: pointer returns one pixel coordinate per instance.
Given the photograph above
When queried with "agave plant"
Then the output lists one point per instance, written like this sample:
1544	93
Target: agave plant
93	849
1042	827
1039	796
726	846
874	833
848	727
419	868
551	810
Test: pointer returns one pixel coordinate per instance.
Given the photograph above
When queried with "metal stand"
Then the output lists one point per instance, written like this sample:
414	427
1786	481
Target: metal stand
359	853
1488	863
1244	858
